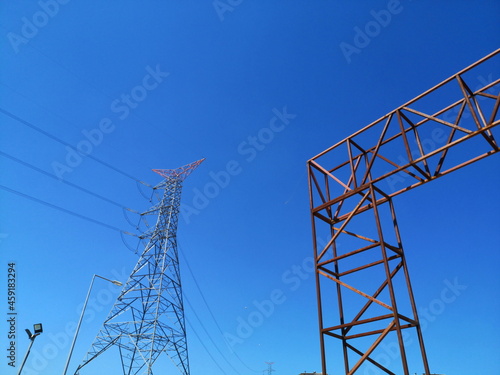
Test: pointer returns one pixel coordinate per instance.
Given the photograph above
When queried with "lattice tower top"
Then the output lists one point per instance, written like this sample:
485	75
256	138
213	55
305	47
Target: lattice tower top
180	173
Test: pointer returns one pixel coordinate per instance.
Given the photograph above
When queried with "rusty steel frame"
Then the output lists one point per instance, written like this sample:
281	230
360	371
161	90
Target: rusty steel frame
341	193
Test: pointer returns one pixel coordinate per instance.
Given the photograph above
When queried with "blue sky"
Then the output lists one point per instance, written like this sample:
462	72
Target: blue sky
257	88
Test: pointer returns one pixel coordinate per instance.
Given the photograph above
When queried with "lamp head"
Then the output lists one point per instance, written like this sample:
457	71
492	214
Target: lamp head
38	328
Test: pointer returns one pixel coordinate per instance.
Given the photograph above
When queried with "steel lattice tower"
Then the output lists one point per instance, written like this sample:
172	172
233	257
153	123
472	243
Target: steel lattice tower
148	315
270	369
365	298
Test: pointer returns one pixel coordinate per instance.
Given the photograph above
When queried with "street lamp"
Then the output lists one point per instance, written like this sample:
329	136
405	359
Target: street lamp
81	318
38	329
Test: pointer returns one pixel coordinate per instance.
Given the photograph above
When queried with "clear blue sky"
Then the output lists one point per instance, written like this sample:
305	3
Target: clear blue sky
159	84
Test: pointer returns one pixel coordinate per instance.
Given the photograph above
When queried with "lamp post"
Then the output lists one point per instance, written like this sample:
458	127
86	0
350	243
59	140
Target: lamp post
81	317
38	329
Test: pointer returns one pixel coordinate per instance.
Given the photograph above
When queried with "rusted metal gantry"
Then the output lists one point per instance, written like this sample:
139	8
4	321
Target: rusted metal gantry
365	298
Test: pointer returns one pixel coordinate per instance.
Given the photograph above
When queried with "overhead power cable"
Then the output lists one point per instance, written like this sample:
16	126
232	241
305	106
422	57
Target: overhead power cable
31	166
204	346
53	137
209	309
64	210
208	334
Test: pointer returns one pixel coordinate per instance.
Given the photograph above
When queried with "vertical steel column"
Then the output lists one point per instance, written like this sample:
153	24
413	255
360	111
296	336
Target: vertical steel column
394	320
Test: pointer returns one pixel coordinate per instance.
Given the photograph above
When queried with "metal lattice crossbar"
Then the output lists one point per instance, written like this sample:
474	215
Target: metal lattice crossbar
147	318
364	292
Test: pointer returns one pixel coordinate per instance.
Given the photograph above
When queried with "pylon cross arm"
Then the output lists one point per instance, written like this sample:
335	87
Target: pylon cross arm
182	172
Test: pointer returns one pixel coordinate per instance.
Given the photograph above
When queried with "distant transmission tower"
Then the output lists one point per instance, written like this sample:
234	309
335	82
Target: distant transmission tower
269	368
148	315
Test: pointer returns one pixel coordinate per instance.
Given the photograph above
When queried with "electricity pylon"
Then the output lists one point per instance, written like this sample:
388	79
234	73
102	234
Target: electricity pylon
148	315
270	369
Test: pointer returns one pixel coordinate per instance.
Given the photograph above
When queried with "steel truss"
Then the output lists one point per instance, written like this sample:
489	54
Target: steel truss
364	294
148	315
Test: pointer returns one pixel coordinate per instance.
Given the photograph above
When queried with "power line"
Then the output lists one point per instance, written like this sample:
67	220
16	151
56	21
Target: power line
204	346
209	309
31	166
204	328
56	139
64	210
